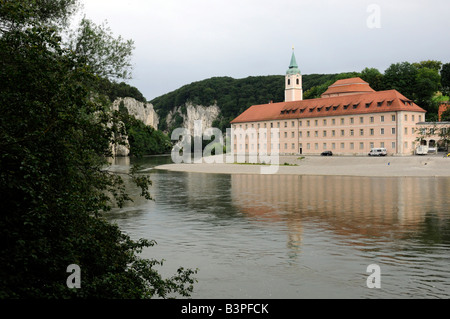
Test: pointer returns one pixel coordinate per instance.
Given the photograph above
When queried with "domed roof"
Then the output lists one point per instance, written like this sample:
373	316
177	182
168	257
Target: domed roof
348	86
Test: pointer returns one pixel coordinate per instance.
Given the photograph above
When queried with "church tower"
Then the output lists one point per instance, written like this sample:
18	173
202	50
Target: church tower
293	86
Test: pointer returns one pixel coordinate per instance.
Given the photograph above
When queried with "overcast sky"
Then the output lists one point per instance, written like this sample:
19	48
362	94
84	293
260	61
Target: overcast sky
182	41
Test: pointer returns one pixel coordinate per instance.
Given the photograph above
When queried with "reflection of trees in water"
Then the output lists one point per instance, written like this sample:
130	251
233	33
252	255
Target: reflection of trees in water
434	230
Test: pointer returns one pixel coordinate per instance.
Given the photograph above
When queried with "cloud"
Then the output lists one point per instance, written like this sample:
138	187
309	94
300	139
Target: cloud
182	41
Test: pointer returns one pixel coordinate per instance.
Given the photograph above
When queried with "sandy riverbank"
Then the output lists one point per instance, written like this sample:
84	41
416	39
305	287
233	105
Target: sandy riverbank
315	165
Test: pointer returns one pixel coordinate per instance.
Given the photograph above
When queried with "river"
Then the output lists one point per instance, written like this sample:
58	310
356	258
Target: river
295	237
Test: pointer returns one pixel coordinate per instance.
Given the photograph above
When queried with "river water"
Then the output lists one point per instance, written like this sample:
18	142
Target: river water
285	236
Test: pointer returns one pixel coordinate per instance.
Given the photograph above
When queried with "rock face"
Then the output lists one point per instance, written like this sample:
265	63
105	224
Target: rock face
142	111
206	114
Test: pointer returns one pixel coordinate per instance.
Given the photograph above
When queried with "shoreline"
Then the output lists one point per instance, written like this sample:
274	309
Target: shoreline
408	166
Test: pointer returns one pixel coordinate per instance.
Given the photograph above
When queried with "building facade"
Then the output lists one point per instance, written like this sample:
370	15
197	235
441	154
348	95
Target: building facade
350	118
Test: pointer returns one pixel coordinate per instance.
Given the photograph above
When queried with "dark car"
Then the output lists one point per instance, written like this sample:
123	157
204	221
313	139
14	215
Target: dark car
327	153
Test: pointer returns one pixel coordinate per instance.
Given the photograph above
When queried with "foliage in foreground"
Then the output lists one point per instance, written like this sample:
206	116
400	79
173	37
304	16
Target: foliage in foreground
56	133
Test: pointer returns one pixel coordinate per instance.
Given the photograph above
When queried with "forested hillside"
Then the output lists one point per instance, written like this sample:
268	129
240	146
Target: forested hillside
233	96
426	82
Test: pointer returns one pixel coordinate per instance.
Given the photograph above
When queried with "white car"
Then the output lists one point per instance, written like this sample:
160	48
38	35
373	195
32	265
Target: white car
378	152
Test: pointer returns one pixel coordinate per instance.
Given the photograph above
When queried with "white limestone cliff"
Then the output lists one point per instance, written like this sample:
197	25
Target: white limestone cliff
205	114
141	111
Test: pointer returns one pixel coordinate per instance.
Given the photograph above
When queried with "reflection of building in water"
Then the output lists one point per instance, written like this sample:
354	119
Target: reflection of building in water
347	205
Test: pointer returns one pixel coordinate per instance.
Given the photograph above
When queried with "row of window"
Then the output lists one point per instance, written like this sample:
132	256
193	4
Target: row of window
325	146
333	121
333	133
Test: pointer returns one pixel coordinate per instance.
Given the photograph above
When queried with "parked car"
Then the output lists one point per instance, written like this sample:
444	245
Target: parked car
327	153
378	152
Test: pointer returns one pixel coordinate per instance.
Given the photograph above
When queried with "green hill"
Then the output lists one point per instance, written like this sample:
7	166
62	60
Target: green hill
422	82
233	96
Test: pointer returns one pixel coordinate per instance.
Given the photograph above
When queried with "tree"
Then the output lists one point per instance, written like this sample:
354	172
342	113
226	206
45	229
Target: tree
427	84
445	79
373	77
56	132
401	77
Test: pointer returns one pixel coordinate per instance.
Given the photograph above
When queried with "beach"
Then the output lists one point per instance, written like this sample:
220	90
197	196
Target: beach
414	166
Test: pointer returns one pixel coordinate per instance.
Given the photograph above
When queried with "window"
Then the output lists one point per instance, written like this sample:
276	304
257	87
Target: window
382	118
342	145
342	120
316	122
420	118
393	145
352	133
308	123
412	117
278	124
406	117
361	145
361	120
382	144
406	130
293	123
333	146
324	146
298	81
393	118
293	146
324	122
382	131
300	123
372	119
316	146
372	145
308	146
333	133
324	133
351	120
316	133
361	132
271	125
285	146
352	146
289	81
393	130
333	121
293	134
285	124
300	134
371	131
342	132
285	134
265	125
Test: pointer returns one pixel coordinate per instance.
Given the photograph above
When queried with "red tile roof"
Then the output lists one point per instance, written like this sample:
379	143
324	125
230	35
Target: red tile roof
346	86
373	102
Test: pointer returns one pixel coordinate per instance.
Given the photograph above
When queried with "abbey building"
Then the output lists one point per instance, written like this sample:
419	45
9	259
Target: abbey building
350	118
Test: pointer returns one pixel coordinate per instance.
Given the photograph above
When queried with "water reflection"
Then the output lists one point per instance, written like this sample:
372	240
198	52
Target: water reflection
364	206
286	236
